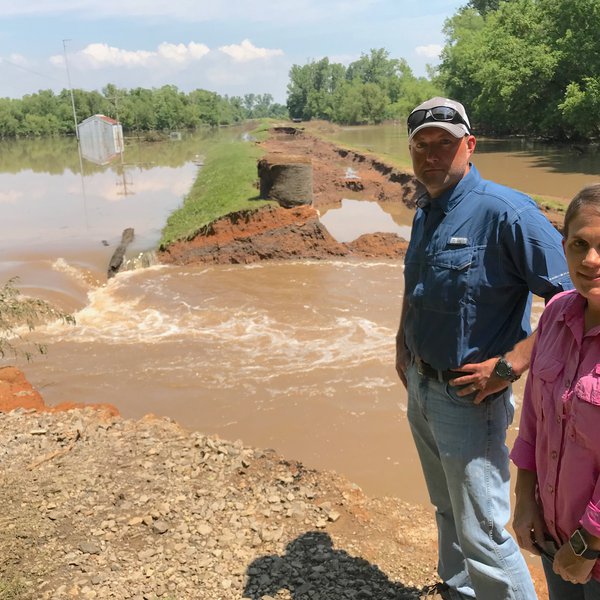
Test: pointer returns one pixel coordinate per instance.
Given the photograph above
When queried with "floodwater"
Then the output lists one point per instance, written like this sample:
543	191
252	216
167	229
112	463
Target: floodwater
530	166
294	356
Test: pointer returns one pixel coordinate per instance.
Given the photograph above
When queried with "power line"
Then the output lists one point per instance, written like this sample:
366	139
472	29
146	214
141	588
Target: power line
44	75
71	88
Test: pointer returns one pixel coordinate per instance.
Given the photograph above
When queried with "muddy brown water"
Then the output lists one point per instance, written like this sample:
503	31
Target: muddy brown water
295	356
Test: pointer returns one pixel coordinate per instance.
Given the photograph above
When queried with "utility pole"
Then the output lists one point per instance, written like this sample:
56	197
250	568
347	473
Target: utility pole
70	88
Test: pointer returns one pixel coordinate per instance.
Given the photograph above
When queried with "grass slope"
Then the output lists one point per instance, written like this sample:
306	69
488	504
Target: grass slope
226	183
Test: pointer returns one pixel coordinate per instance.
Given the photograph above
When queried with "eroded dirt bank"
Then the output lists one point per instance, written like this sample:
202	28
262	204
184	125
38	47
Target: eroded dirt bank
17	392
280	233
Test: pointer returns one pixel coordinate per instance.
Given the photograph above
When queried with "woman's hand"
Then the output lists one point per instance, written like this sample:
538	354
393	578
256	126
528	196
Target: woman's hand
571	567
528	520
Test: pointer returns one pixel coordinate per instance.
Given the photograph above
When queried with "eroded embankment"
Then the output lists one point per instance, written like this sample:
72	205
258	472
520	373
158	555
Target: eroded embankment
276	233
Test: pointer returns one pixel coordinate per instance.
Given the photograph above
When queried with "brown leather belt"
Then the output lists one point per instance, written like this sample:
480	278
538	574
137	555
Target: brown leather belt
426	370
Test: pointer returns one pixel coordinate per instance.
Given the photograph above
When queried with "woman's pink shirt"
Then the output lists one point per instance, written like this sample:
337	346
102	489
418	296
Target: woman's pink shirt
559	433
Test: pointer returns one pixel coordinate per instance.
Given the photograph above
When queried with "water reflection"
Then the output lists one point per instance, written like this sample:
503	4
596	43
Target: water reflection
59	155
55	205
357	217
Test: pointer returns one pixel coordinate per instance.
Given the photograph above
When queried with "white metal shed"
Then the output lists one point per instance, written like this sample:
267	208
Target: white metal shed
101	138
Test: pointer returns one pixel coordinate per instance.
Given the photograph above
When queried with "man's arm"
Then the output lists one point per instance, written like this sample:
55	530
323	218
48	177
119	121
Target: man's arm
402	355
480	377
535	250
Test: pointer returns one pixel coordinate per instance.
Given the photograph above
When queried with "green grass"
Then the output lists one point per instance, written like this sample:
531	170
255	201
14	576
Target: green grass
550	203
226	183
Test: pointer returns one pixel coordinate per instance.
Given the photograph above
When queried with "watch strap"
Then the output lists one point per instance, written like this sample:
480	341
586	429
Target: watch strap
578	540
590	554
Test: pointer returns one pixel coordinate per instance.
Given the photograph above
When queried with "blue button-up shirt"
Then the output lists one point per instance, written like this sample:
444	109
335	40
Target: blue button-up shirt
475	255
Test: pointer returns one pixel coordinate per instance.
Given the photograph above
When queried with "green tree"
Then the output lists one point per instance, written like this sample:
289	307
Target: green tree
460	57
312	87
168	104
11	116
525	66
484	6
348	103
138	110
516	70
581	107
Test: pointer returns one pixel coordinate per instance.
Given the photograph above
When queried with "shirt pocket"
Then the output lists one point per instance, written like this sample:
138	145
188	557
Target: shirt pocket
586	410
446	285
545	371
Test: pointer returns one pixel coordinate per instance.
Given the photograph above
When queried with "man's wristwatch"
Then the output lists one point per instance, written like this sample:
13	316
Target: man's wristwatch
580	547
504	370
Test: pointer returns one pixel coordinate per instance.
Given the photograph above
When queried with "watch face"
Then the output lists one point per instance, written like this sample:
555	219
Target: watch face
503	369
578	543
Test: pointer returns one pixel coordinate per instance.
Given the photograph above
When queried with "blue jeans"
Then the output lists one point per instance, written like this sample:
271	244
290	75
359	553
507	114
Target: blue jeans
465	462
559	589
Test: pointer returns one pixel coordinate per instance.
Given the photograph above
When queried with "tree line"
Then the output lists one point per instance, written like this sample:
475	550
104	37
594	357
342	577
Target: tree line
528	67
167	108
372	89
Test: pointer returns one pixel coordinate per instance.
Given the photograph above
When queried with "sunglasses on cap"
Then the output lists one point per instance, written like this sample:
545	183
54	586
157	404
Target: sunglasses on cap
445	114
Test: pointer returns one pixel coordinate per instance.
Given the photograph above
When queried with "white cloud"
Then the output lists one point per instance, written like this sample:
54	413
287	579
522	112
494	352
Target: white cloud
234	70
98	56
247	51
180	53
18	59
103	55
344	59
429	51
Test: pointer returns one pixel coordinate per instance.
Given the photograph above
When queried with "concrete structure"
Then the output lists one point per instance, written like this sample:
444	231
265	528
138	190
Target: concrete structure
101	139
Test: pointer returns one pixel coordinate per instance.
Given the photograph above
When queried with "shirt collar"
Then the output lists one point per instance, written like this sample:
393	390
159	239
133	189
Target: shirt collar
451	197
572	310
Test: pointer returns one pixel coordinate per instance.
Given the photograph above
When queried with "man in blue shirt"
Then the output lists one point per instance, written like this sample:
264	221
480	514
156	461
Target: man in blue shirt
478	250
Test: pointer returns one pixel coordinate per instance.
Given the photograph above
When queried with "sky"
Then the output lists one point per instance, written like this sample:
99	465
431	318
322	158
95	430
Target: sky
232	47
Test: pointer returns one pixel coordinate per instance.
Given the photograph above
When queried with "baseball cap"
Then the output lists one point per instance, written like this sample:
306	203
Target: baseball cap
439	112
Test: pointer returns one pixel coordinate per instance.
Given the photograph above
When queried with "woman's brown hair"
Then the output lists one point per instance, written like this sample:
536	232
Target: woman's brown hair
588	196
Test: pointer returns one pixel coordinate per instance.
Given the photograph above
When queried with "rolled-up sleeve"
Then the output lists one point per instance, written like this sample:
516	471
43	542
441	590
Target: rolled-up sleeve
591	517
523	455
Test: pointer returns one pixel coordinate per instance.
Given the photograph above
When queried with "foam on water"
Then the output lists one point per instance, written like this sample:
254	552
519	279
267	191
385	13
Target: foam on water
238	331
77	274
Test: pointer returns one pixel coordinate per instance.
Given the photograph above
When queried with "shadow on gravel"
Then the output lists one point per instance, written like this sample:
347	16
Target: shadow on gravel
311	569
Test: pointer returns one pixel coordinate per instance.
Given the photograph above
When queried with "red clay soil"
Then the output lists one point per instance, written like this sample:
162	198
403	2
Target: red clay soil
17	392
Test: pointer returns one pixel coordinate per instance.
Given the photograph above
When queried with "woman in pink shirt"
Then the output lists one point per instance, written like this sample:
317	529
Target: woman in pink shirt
557	451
